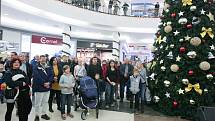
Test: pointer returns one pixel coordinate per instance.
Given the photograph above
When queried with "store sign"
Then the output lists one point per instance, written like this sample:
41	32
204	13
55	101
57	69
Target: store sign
98	45
46	40
85	44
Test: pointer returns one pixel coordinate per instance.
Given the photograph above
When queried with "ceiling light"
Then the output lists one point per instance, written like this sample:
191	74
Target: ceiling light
91	35
124	37
5	14
147	41
137	30
24	25
42	13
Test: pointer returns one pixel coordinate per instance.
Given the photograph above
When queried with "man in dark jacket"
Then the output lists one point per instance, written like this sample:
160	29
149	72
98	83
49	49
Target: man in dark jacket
7	63
126	70
42	78
95	71
125	8
157	6
26	66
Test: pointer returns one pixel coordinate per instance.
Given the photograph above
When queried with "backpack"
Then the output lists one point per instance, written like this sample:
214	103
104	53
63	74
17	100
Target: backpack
88	88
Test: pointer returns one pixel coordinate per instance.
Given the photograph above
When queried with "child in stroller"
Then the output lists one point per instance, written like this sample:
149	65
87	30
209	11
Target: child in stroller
86	96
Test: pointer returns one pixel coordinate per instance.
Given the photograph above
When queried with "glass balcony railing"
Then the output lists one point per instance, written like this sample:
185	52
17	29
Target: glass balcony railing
134	10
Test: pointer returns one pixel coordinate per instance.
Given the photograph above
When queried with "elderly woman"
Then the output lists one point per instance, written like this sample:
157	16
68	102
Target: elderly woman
17	90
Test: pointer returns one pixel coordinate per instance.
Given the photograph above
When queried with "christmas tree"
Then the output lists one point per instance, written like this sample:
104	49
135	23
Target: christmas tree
181	77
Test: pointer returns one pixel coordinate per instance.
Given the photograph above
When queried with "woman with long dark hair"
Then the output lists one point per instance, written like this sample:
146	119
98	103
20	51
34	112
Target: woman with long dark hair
111	84
18	89
55	87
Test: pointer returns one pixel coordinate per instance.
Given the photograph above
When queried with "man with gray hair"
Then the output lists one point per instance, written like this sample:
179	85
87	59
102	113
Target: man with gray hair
126	70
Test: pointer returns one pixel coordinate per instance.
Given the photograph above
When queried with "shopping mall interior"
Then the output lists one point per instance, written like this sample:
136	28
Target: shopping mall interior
162	51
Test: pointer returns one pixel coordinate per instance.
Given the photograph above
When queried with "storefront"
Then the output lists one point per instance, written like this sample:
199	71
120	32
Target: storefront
45	45
86	49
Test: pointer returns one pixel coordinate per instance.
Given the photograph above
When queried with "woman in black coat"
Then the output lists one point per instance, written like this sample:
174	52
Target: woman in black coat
18	89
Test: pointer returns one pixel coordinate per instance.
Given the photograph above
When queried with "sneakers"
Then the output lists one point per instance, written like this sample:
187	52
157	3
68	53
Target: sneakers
63	116
45	116
112	105
70	115
37	118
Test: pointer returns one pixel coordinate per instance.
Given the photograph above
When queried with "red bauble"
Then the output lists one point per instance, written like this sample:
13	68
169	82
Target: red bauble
173	14
175	104
182	49
189	26
190	73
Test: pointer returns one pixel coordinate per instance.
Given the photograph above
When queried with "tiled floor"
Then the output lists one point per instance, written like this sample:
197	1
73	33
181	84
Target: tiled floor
103	116
121	113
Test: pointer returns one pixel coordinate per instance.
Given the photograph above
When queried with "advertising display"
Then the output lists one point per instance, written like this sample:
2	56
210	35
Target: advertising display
45	45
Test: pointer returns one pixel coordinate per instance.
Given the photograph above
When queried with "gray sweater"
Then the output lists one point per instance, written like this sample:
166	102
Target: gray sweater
67	83
135	82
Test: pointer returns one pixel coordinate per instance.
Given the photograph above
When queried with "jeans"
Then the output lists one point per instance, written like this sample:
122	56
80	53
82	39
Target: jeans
101	89
142	91
58	98
124	84
66	99
41	101
109	93
136	98
110	9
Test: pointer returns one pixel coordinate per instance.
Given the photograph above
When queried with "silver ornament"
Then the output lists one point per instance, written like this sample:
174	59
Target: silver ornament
193	8
182	21
170	55
210	55
166	83
209	76
191	54
156	99
196	20
192	102
185	81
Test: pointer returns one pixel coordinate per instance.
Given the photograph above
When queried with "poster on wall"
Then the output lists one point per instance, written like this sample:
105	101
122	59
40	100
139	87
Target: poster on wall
41	45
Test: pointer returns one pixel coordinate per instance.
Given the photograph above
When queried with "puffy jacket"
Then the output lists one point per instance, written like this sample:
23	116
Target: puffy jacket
135	83
41	76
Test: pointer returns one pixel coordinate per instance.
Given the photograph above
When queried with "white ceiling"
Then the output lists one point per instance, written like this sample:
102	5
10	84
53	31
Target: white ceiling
8	12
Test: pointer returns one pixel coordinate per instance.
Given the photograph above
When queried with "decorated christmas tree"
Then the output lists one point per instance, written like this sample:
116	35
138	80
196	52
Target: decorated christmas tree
181	77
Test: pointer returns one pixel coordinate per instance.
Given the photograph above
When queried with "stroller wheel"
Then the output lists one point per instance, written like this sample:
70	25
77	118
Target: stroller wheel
84	115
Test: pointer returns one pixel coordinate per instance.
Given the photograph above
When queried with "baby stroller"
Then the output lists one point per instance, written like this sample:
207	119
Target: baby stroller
86	96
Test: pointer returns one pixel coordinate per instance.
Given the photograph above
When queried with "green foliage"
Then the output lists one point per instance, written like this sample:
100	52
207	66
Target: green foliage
197	20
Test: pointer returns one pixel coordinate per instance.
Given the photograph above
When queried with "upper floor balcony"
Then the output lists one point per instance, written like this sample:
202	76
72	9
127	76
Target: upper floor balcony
68	14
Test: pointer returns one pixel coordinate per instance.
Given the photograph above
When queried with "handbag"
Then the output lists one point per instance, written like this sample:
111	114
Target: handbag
148	95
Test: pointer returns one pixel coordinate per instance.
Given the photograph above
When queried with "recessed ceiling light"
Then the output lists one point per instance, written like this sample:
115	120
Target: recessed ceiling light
5	14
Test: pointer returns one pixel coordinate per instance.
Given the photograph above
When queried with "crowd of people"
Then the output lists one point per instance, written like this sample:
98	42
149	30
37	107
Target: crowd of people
113	7
55	78
95	5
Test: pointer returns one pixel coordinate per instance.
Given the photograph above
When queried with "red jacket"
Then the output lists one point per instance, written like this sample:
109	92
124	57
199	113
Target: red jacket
104	71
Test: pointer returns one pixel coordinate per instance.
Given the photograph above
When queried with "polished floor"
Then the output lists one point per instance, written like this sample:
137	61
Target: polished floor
117	113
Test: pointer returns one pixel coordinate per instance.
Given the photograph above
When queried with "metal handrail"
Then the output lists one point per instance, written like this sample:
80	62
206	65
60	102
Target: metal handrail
93	3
